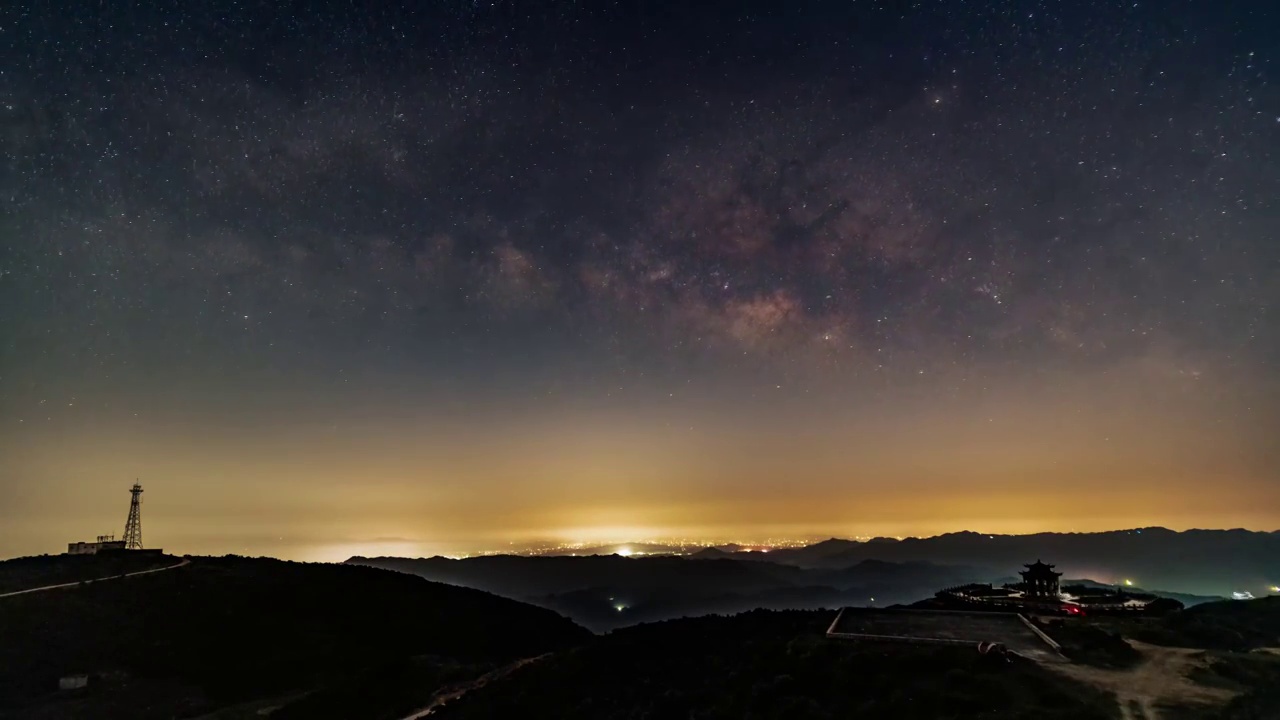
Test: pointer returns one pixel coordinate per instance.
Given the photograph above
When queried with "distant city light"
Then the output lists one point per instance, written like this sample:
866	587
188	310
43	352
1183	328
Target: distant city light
1246	595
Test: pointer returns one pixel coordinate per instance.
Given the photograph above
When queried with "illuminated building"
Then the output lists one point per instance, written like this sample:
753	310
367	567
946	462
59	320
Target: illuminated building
1041	592
1040	581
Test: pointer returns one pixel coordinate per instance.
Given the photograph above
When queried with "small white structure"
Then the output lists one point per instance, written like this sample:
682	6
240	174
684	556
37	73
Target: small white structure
73	682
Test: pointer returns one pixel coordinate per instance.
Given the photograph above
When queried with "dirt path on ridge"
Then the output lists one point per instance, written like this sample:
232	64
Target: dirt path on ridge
78	583
446	696
1160	678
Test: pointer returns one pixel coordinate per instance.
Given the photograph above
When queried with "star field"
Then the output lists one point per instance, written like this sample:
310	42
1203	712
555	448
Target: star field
505	270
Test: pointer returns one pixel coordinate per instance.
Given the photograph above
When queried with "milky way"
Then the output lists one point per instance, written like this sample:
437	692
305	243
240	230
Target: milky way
379	267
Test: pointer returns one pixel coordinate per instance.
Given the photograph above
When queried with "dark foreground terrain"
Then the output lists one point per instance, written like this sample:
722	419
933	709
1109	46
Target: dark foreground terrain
235	638
775	664
43	570
1215	661
779	665
222	631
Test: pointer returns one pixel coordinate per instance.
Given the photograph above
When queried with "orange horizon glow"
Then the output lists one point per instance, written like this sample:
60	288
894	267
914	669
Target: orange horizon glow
1020	461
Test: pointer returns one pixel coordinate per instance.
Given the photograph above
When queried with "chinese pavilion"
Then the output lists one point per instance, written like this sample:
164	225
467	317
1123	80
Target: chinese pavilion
1040	581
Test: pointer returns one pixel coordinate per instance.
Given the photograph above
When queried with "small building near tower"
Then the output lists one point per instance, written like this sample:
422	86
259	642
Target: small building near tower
104	543
132	541
1040	582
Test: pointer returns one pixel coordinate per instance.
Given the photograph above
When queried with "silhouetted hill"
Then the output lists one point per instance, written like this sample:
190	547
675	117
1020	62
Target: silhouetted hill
1226	625
915	573
605	592
1187	599
730	552
1203	562
524	576
712	553
773	665
610	591
815	553
225	630
43	570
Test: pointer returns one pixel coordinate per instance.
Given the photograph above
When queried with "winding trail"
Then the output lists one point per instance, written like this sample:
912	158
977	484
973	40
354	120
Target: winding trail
1160	678
446	696
78	583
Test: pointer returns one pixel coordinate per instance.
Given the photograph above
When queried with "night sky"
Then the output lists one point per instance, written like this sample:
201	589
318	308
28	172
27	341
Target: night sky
331	280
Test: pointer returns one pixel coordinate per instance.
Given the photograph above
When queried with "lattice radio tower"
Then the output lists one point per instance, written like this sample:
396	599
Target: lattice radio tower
133	526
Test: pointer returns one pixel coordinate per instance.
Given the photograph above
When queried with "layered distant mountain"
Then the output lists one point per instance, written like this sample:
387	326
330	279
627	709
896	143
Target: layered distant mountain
1203	562
608	591
1187	599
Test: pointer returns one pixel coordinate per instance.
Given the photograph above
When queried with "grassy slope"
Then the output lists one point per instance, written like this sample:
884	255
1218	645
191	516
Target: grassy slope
1226	625
230	629
1226	630
774	665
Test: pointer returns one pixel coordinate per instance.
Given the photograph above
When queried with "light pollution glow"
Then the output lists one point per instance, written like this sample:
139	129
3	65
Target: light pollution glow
327	292
304	490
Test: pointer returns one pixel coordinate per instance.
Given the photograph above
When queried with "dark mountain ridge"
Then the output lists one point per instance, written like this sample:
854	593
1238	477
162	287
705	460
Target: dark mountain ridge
528	576
1203	562
1187	599
605	592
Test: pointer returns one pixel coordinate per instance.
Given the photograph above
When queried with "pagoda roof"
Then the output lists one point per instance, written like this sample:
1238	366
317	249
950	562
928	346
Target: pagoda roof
1039	568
